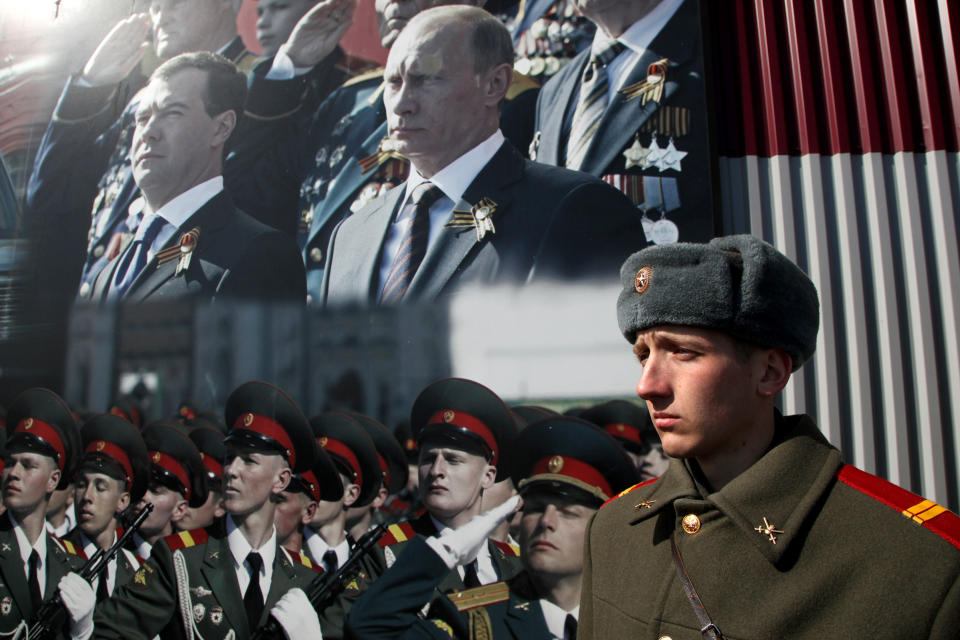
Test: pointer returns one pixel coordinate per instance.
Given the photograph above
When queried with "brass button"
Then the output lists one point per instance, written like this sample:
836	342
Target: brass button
691	523
316	255
665	638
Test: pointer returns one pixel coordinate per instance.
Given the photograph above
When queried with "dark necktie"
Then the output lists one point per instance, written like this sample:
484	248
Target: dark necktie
330	560
33	579
470	577
103	591
570	628
591	104
134	259
413	245
253	598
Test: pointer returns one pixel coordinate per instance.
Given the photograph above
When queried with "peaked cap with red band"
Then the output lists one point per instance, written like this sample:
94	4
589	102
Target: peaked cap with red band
321	481
390	454
262	417
557	453
468	416
209	442
41	422
175	460
109	440
348	445
626	421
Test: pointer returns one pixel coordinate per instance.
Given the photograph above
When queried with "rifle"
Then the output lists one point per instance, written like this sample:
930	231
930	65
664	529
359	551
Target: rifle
52	613
326	586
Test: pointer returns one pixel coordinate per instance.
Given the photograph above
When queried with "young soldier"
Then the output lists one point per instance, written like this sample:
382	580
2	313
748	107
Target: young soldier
297	504
112	476
42	446
178	481
565	468
209	442
463	429
757	529
630	424
393	476
205	583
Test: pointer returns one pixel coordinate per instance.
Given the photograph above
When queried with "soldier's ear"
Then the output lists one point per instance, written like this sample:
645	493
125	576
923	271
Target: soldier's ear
308	513
777	365
351	492
489	477
224	124
53	480
123	501
282	479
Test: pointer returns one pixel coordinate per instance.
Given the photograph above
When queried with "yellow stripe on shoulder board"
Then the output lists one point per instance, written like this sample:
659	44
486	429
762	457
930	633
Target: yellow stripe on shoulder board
480	596
69	546
187	538
397	532
923	511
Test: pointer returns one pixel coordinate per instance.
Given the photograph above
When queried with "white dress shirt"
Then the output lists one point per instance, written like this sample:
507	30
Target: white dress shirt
453	181
26	548
556	617
240	548
178	211
486	572
317	546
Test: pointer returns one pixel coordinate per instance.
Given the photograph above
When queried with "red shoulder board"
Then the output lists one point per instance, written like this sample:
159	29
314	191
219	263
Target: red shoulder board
298	558
397	533
925	513
628	490
72	549
186	539
507	548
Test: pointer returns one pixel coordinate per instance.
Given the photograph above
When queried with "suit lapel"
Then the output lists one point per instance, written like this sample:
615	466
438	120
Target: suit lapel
551	133
282	581
348	180
622	118
219	573
11	566
367	253
454	246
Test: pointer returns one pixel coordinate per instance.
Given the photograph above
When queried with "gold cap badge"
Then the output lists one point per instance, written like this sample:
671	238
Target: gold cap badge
642	281
555	464
248	420
448	416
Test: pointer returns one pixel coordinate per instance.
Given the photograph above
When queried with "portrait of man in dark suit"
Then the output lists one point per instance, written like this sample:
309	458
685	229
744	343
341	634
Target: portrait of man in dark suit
474	211
191	241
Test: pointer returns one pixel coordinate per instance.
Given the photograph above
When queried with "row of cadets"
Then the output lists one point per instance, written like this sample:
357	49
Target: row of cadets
565	469
205	583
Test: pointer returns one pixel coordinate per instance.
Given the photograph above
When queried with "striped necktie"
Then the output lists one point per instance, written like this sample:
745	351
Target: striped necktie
591	105
134	259
413	245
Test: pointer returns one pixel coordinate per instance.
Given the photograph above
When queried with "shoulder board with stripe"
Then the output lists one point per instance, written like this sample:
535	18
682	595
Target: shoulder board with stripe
186	539
480	596
363	77
507	548
397	533
72	549
246	61
628	490
519	84
924	513
299	558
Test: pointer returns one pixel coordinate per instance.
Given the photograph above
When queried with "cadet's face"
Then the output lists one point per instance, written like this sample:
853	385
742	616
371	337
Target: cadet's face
451	480
165	503
27	479
175	143
181	26
205	514
433	97
552	530
700	392
97	498
249	478
291	509
276	19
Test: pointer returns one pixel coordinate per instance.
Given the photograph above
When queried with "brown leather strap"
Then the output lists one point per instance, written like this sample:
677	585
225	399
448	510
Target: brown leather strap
707	628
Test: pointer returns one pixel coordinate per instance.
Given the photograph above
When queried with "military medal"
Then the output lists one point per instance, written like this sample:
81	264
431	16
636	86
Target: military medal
5	605
671	158
537	66
198	611
664	232
551	65
635	155
342	125
534	146
216	615
385	151
654	154
522	66
479	217
768	530
651	88
337	156
188	244
321	157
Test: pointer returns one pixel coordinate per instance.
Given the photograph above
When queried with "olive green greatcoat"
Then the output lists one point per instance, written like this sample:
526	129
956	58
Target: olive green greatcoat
846	562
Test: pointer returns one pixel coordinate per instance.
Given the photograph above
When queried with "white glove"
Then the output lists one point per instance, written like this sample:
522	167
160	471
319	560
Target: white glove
462	545
78	599
296	615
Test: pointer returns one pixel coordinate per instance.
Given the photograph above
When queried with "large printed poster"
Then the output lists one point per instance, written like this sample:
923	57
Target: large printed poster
517	291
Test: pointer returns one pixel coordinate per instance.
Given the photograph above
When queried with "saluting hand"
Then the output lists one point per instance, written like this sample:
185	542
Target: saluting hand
318	32
119	51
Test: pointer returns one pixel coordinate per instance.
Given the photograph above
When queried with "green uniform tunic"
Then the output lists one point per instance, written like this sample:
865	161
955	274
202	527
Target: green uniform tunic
797	546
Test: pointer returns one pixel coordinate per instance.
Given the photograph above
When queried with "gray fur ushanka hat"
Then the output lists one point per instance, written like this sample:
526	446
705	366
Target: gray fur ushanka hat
740	285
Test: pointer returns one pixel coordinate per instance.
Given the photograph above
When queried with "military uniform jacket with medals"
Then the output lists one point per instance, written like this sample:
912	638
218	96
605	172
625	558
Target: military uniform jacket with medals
389	610
125	563
15	603
797	546
546	224
152	602
620	151
85	158
323	168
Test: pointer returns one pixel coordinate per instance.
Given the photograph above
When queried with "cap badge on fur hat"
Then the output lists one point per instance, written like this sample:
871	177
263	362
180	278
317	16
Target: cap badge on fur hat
642	281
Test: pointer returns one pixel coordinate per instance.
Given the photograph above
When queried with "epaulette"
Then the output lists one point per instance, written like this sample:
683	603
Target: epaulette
519	84
71	548
186	539
925	513
397	533
246	61
480	596
363	77
507	547
628	490
297	557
